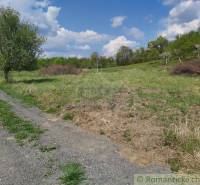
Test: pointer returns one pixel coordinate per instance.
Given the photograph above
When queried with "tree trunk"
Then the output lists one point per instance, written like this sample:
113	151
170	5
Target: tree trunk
180	61
6	76
166	61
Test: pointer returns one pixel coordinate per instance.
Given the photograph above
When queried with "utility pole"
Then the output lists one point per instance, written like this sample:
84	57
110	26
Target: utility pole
97	65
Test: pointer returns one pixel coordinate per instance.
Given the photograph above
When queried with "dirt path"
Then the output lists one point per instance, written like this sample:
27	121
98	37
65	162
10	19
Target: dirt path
98	154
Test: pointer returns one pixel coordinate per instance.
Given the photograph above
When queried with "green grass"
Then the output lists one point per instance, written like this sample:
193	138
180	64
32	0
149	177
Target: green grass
191	144
73	174
151	82
22	130
152	91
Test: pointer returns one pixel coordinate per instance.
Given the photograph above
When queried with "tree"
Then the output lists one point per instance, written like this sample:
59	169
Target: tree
184	45
95	57
124	55
152	54
160	44
20	44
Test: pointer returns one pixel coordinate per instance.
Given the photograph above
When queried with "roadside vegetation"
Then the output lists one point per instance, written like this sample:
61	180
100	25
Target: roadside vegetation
133	98
22	130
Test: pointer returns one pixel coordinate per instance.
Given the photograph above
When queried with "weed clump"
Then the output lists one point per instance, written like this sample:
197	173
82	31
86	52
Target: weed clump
189	67
58	69
68	116
170	138
175	164
73	174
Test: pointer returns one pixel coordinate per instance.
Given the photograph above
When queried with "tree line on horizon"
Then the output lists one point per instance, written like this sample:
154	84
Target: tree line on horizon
183	47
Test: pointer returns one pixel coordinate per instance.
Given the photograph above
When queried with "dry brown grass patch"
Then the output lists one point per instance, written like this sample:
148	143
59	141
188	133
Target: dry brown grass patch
58	69
141	139
190	67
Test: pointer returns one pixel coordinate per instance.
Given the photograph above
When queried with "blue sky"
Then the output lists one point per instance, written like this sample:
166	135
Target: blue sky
80	15
79	27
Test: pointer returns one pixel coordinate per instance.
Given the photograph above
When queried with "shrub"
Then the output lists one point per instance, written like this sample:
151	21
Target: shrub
190	67
58	69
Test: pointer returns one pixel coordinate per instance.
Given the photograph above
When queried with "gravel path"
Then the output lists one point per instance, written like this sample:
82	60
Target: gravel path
19	166
97	154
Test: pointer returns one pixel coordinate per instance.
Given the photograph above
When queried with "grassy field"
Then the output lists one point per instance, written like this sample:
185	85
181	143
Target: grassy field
141	106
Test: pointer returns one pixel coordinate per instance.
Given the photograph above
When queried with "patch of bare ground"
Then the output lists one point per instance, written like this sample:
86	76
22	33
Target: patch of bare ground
139	133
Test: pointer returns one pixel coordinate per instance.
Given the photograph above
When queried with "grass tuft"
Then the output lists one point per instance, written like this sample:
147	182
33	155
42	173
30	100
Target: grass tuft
191	145
68	116
127	135
170	138
175	164
73	174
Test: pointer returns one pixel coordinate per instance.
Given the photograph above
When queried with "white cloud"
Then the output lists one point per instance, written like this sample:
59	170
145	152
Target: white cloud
38	12
171	2
111	48
183	17
64	37
59	39
48	54
79	47
83	47
42	4
136	33
117	21
179	29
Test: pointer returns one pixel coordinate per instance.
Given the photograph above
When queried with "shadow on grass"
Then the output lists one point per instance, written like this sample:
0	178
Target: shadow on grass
42	80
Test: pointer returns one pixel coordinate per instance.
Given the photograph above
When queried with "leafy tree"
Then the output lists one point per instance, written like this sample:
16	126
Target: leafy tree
124	55
95	58
185	44
20	44
160	44
152	54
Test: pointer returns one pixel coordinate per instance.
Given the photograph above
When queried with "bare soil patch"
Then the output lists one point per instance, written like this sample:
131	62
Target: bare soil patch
141	139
